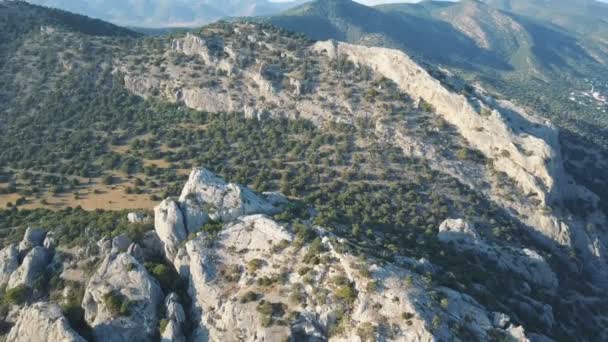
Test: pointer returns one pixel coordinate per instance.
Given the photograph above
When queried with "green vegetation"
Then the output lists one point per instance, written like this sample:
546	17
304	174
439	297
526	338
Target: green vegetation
16	295
117	304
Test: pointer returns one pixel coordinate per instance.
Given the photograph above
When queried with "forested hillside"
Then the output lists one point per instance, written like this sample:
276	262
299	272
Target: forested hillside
244	180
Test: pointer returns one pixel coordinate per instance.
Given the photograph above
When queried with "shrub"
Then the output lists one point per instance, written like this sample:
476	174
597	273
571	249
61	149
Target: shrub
254	264
249	296
17	295
116	303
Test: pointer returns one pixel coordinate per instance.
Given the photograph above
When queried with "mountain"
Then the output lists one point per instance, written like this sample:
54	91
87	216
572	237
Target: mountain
242	181
585	17
518	53
166	13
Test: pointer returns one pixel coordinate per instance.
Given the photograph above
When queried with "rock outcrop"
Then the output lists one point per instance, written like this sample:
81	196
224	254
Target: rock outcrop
33	237
169	225
253	262
521	145
137	217
32	267
121	300
204	197
9	262
42	322
525	262
206	193
176	317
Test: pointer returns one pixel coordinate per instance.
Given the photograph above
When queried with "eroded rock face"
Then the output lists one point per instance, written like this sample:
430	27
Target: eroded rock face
9	262
121	300
32	267
525	262
256	247
220	200
42	322
521	145
204	197
169	225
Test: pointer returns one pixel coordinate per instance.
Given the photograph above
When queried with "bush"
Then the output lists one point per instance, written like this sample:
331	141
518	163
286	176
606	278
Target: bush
249	296
254	264
17	295
116	303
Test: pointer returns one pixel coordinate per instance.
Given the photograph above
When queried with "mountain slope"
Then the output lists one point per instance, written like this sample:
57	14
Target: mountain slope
517	55
424	207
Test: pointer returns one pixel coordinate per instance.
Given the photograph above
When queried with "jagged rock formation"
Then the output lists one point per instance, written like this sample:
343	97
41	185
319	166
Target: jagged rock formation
174	313
205	193
204	197
515	143
9	261
525	262
121	300
524	147
31	268
169	225
254	274
42	322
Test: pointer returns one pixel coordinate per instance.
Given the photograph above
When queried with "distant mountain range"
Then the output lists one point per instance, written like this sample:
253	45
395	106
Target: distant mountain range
520	48
167	13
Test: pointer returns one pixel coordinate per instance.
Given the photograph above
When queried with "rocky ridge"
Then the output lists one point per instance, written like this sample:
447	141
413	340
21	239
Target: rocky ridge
244	64
257	278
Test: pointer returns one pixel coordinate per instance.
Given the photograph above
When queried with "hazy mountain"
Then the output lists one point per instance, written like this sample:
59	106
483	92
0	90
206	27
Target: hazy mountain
166	13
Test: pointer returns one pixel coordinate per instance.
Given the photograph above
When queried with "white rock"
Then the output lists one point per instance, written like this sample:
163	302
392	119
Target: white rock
500	320
31	268
173	309
42	322
457	230
222	201
49	242
172	333
9	262
137	217
124	276
169	226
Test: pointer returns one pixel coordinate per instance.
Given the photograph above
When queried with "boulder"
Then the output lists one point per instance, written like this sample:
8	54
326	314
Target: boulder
42	322
169	226
9	262
33	237
137	217
32	267
121	300
49	242
457	230
173	309
172	333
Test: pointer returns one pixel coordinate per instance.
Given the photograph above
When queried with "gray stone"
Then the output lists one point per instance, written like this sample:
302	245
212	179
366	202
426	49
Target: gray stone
42	322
